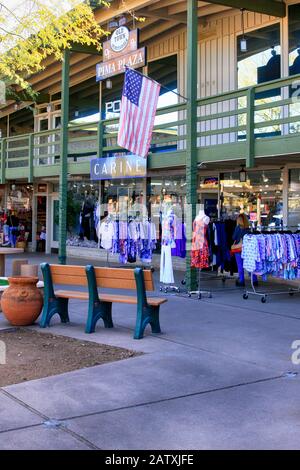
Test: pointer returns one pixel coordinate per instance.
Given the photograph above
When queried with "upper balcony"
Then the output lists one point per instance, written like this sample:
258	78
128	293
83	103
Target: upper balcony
248	124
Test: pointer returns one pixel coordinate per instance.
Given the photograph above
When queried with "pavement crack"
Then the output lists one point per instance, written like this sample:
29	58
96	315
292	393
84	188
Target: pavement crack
44	418
170	399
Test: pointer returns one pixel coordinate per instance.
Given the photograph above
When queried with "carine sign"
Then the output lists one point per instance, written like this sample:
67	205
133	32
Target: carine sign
109	168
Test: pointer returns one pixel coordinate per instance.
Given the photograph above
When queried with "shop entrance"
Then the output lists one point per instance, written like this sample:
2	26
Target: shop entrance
54	223
41	217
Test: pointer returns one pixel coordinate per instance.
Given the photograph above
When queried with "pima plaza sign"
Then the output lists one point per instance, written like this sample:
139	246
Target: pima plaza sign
120	51
109	168
116	66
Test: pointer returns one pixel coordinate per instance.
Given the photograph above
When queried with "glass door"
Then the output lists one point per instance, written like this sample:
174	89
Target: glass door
54	222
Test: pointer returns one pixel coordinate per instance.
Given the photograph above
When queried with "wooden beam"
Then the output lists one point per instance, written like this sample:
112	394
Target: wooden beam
24	96
163	14
85	49
267	7
118	8
211	10
163	3
159	29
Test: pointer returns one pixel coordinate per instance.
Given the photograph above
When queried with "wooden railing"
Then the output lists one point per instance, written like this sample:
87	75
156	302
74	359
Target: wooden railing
255	121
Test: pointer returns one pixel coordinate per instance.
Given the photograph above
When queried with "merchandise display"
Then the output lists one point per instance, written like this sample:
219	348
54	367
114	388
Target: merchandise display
130	239
276	254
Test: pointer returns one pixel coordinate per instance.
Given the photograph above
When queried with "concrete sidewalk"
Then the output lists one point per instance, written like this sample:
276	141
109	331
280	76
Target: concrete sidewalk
216	379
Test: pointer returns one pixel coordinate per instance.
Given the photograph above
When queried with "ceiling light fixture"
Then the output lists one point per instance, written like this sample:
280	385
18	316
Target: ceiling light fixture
243	42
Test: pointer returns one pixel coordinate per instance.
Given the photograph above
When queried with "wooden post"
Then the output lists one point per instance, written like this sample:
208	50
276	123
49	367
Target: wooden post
63	177
191	135
3	160
31	156
250	152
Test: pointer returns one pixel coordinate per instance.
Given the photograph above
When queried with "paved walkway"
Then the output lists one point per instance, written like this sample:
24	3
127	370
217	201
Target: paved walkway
216	379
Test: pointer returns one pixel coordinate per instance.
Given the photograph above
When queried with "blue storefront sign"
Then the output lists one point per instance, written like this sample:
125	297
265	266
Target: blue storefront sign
109	168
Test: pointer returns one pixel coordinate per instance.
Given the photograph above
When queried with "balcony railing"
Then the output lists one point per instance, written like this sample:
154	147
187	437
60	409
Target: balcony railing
258	121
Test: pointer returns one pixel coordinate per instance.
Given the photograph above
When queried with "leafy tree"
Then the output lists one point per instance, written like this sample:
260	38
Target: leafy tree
28	36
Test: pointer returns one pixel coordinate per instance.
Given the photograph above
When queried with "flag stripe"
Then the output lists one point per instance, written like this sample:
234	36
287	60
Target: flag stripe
150	121
138	109
144	97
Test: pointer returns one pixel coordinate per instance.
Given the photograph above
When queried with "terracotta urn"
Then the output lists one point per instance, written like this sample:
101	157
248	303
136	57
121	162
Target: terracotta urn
22	301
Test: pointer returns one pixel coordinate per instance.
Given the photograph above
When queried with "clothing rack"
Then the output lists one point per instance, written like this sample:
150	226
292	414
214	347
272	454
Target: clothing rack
199	292
265	294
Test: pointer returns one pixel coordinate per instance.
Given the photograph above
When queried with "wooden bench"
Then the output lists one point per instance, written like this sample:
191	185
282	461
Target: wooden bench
100	305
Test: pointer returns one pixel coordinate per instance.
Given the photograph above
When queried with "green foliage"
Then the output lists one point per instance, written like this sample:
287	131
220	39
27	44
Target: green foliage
28	39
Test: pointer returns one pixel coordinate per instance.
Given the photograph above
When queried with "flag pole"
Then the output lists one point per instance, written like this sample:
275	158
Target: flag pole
162	86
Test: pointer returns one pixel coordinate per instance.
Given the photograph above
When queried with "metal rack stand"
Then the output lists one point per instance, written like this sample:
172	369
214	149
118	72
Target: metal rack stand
264	295
169	288
199	292
213	276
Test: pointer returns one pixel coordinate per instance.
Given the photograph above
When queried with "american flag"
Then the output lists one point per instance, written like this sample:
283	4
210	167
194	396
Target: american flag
138	108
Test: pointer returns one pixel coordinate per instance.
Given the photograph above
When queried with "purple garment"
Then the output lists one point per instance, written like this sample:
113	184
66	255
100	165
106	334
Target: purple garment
180	248
239	262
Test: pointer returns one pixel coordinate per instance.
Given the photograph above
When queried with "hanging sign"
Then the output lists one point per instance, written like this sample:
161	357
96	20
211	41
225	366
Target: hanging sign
121	42
120	50
116	66
109	168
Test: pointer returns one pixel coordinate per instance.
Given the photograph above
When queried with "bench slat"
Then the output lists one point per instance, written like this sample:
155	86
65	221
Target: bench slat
72	294
69	280
110	278
116	273
121	299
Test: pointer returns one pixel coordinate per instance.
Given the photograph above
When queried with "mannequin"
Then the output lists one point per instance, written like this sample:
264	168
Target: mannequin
200	251
202	216
168	242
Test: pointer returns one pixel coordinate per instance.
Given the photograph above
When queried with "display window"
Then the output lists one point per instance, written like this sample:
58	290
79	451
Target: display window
260	196
294	198
16	216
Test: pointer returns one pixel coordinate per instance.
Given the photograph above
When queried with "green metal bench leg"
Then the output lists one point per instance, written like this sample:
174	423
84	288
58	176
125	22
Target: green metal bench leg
145	316
145	313
154	320
52	304
63	310
99	310
53	307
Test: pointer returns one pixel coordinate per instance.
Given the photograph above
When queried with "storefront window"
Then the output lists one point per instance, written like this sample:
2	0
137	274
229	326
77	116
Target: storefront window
17	215
260	197
294	62
260	63
121	199
163	191
124	198
294	198
82	198
208	195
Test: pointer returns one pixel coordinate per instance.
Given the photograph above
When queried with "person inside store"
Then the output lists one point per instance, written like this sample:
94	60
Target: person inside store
41	240
242	227
13	224
86	216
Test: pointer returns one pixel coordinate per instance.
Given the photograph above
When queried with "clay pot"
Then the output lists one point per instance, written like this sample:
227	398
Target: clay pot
22	301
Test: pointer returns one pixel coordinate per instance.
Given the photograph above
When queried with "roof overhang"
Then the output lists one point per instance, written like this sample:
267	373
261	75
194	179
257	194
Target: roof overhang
268	7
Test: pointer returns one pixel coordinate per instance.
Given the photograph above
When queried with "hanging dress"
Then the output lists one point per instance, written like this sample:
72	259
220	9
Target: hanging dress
200	250
168	242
